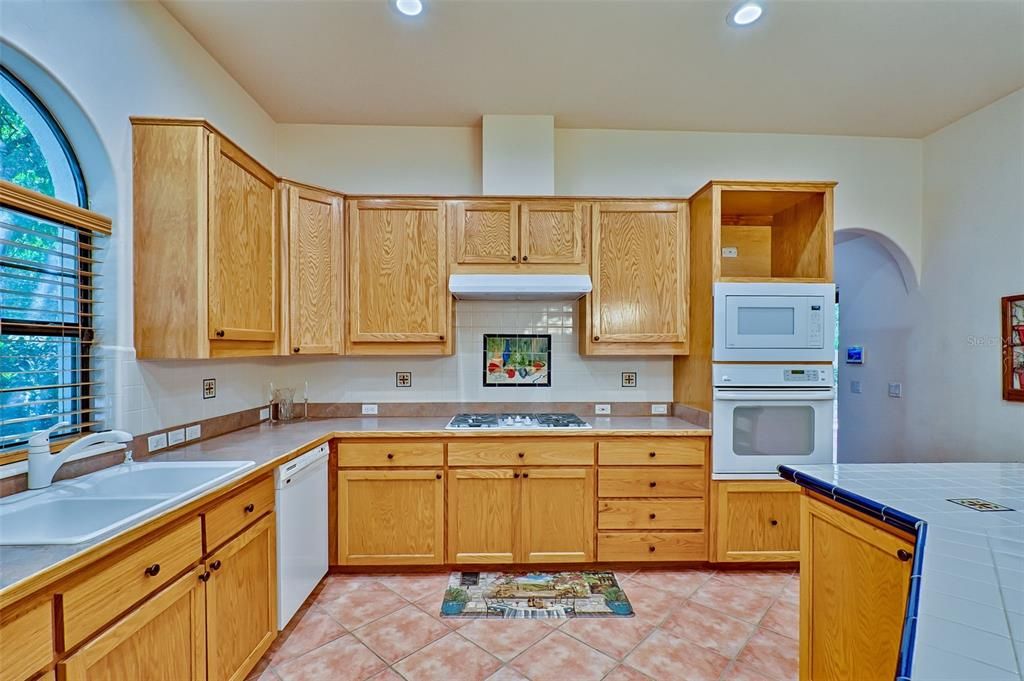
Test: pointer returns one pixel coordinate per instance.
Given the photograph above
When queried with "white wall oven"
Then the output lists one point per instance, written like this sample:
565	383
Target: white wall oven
771	322
766	415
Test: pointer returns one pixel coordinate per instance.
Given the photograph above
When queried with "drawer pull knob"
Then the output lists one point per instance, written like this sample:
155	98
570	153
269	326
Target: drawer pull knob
653	484
153	570
526	475
205	577
525	258
513	258
597	338
441	337
296	349
522	455
515	475
249	508
215	565
653	516
220	333
651	549
652	454
438	476
774	522
390	455
904	555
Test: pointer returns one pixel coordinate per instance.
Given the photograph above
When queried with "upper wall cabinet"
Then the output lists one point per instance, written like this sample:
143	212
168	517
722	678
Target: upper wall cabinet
312	270
640	272
205	244
398	300
518	236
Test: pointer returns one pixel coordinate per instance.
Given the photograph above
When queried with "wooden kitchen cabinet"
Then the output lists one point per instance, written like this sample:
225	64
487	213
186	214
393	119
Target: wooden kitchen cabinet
483	515
390	517
26	645
241	602
640	273
165	638
854	579
552	232
313	270
398	299
756	520
486	232
206	244
557	515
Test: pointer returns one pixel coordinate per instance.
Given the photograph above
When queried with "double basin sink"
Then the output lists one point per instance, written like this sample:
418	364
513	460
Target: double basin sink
82	509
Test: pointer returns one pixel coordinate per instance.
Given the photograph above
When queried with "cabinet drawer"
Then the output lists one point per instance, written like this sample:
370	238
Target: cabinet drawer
675	451
230	516
26	645
524	451
619	514
389	454
651	546
651	482
119	584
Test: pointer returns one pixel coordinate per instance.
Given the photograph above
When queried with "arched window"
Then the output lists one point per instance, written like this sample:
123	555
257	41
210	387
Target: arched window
46	277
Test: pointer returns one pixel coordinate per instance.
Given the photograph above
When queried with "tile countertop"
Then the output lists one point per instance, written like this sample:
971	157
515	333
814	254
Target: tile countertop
966	605
271	445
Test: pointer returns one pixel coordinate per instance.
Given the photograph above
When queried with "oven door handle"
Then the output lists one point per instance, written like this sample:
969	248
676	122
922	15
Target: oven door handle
774	395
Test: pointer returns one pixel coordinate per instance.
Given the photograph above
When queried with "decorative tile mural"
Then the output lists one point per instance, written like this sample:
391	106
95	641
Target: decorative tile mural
517	360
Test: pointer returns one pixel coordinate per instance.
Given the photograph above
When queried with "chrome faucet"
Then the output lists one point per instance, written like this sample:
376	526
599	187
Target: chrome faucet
42	465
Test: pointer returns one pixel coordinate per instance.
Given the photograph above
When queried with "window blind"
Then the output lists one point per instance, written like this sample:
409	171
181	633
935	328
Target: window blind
49	287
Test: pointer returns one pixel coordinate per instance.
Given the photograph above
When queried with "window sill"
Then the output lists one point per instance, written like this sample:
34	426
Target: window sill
20	467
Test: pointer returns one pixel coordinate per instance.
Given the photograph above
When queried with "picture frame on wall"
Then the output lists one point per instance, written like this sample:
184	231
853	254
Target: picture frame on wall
1013	348
519	360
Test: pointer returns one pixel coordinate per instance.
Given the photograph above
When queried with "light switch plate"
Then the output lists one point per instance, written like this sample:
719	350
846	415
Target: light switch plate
730	252
156	442
193	432
895	390
264	413
602	409
369	409
659	409
175	437
855	387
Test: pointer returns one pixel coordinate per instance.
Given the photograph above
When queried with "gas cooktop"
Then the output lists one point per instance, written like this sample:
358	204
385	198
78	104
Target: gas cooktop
516	421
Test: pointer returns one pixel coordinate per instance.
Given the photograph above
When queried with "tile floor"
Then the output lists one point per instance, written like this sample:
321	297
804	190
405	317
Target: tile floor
691	625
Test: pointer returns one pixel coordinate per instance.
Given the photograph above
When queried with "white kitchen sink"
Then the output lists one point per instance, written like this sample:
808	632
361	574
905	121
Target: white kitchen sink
75	511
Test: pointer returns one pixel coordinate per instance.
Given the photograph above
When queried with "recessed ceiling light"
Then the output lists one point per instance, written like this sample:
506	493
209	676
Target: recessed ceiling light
744	15
409	7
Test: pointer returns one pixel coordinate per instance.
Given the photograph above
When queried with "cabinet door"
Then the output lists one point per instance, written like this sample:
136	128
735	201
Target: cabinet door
241	602
391	517
164	639
639	272
557	515
486	231
757	521
483	508
314	271
242	243
399	288
552	232
854	579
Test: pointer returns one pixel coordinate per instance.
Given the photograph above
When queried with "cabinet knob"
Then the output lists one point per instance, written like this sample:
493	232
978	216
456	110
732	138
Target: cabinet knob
220	333
514	258
525	258
215	565
153	570
390	455
651	549
774	522
205	577
526	475
522	455
296	349
653	516
653	484
438	476
515	475
597	338
904	555
441	337
652	454
249	508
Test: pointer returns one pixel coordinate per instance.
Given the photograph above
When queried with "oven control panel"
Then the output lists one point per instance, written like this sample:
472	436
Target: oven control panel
795	376
803	375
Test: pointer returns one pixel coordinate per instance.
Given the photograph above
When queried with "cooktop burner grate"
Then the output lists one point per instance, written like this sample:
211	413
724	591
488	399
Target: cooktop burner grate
516	421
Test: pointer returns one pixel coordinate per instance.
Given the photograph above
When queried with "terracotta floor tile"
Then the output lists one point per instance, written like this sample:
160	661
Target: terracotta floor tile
506	674
386	675
773	655
504	638
356	607
344	659
624	673
709	628
650	604
791	592
560	658
764	581
310	630
264	674
743	672
335	585
783	618
448	659
614	636
664	657
415	587
733	600
402	632
434	610
680	583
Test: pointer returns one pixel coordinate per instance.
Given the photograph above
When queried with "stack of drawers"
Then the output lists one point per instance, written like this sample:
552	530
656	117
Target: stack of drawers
652	499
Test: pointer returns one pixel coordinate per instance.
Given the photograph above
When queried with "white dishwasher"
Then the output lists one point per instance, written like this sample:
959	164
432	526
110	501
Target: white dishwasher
301	529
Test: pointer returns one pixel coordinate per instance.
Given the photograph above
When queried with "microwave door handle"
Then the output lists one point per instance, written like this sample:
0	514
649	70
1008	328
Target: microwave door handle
775	396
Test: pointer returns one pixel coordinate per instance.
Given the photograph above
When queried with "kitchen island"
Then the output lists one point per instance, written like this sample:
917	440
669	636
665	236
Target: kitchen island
894	570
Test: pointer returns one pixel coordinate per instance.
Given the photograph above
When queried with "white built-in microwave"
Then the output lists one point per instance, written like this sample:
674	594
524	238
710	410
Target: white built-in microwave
772	322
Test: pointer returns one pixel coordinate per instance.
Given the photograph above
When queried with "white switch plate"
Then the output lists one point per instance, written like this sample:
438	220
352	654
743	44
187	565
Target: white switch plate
193	432
855	387
602	409
895	390
264	413
370	409
156	442
176	436
659	409
730	252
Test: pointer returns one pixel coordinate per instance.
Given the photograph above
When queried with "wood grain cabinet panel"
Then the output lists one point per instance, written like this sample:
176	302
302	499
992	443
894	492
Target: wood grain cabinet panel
486	231
390	454
652	481
651	546
483	515
26	643
398	300
241	602
521	452
311	313
757	520
163	640
652	514
390	517
854	578
640	273
667	451
552	232
557	515
231	515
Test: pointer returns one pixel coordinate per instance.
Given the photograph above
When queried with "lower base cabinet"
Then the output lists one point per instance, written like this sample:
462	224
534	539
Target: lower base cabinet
854	579
756	521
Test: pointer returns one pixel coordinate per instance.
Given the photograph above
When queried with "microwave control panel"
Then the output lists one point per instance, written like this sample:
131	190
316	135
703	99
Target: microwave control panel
803	375
815	323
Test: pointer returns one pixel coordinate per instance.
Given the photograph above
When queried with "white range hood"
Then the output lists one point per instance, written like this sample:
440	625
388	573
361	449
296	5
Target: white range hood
519	286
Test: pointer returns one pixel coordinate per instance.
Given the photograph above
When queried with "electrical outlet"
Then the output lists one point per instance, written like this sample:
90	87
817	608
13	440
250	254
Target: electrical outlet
628	379
264	413
895	390
369	409
175	437
209	388
156	442
659	409
855	387
602	409
193	432
730	252
403	379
